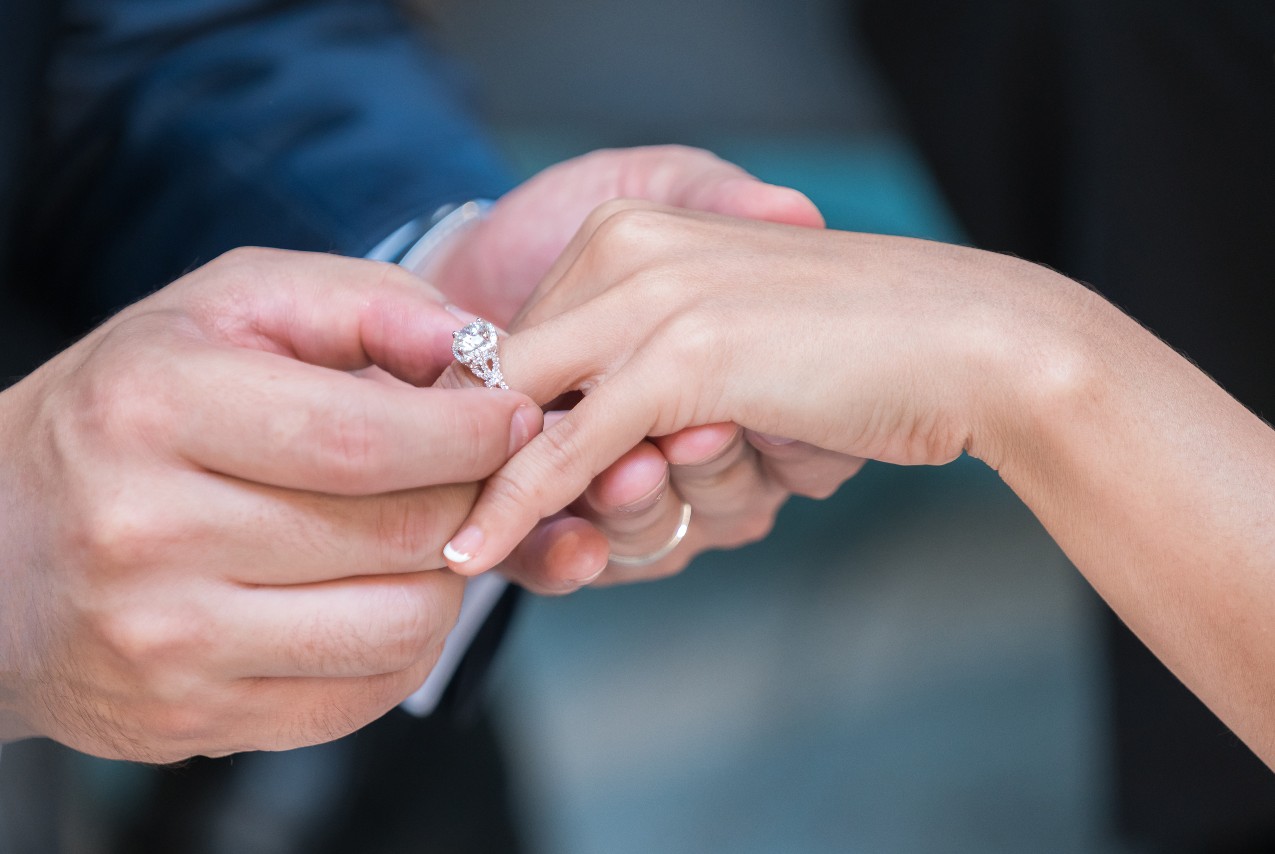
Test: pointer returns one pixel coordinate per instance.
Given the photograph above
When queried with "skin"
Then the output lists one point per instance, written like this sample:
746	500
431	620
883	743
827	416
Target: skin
736	483
1157	484
216	537
221	510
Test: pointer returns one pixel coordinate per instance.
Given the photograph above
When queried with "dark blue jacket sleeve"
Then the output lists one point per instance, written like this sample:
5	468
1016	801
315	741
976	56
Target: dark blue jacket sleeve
177	130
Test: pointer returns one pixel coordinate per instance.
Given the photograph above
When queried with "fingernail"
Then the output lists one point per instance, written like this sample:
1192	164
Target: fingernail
592	578
459	313
464	545
576	583
773	440
647	500
525	422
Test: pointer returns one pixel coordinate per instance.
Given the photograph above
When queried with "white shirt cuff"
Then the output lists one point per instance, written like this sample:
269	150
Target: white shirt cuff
481	594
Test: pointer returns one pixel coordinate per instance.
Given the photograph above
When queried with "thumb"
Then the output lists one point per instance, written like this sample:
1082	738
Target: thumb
326	310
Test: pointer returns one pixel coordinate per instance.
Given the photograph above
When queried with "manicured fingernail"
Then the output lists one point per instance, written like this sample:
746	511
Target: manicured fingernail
525	422
464	545
459	313
773	440
648	500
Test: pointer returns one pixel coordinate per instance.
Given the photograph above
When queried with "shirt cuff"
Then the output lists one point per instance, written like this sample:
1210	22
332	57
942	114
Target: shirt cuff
481	594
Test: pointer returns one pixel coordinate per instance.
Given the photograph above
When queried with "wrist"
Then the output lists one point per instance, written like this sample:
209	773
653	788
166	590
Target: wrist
1038	363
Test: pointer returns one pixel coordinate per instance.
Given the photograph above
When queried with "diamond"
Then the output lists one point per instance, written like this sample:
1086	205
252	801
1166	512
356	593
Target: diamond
474	345
470	341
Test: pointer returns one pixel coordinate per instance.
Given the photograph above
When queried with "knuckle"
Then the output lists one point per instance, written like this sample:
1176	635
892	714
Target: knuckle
348	445
478	433
347	707
759	529
818	490
149	641
512	491
418	626
123	398
751	529
605	211
245	265
250	256
327	721
555	461
811	477
323	639
233	275
406	530
634	229
182	729
118	534
689	337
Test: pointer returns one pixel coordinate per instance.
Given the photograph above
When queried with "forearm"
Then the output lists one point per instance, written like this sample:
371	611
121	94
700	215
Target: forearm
1161	489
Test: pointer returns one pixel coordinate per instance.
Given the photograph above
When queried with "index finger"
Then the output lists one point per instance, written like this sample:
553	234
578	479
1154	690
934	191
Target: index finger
342	313
267	419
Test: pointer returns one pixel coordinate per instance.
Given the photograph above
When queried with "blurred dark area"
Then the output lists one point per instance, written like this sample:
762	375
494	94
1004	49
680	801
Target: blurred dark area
911	665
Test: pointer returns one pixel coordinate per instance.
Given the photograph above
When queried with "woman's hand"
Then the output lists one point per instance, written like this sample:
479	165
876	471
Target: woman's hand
1156	483
862	345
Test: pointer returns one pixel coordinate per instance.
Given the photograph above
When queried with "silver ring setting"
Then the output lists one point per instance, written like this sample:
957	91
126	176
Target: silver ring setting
683	525
475	346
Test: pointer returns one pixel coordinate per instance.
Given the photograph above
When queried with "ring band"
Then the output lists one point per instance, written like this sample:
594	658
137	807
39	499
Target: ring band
475	346
663	551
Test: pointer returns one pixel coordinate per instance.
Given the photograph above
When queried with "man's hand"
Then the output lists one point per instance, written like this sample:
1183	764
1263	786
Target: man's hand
735	486
215	536
494	269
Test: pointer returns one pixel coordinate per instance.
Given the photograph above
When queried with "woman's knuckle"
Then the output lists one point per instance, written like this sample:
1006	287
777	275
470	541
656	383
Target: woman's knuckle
606	211
634	229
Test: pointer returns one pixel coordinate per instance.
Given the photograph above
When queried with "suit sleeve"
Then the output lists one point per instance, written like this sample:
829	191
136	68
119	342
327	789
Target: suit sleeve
181	129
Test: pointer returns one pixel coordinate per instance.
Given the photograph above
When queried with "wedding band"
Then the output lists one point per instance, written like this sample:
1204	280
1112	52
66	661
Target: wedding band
475	346
663	551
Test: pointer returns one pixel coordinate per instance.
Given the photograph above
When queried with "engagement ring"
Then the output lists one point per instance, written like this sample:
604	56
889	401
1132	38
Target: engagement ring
474	345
